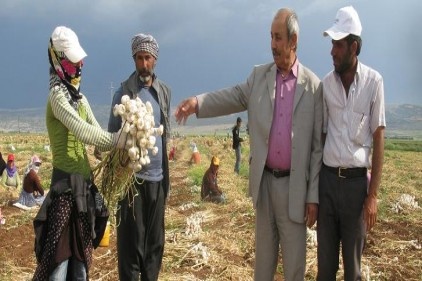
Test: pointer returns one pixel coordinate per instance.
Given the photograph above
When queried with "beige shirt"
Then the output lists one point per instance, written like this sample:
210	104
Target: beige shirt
349	122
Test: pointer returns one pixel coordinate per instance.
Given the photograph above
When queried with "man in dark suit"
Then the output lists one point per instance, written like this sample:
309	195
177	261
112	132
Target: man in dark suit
284	103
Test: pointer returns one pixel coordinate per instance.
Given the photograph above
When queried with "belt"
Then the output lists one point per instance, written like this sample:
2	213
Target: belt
347	172
277	173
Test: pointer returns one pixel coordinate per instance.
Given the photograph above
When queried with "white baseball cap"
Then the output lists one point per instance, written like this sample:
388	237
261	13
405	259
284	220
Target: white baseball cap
65	40
347	22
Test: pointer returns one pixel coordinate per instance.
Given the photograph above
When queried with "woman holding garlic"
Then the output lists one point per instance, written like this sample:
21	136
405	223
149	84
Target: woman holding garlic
65	224
141	107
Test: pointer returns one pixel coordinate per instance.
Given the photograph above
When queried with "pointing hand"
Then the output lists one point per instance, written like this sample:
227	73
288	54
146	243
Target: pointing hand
186	108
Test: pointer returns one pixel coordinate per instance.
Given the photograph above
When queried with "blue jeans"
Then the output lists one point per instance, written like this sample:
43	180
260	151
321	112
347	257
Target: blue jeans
60	272
238	158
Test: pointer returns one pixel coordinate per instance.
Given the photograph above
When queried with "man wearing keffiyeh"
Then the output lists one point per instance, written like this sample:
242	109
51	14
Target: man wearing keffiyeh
140	218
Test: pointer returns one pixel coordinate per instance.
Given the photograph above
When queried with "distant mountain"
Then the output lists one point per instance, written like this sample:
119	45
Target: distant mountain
33	119
22	120
404	119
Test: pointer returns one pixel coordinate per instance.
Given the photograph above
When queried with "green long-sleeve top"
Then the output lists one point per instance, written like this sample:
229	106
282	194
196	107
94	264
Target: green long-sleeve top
70	130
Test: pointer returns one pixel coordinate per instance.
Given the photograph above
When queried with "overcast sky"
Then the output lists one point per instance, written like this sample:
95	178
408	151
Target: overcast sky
204	44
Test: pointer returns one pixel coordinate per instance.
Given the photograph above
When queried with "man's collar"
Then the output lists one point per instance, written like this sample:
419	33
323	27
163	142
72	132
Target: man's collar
294	69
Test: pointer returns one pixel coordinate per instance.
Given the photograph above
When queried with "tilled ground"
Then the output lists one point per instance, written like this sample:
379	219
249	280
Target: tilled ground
392	252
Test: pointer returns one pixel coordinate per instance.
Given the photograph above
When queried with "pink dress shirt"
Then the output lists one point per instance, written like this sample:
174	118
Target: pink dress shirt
280	140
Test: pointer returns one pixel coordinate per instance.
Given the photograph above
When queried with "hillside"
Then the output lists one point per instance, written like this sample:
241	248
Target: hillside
402	121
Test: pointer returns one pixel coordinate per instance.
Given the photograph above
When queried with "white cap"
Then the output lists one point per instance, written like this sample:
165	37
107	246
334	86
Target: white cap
65	40
347	22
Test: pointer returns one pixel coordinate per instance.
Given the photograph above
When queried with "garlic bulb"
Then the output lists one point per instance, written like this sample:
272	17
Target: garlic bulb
138	122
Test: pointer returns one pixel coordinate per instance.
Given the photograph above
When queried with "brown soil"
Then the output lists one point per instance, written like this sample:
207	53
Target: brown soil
386	250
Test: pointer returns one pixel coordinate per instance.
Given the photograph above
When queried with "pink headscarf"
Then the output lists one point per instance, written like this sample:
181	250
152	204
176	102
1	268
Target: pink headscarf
32	165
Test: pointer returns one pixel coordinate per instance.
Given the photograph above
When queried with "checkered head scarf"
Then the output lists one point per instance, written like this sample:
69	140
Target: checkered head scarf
146	43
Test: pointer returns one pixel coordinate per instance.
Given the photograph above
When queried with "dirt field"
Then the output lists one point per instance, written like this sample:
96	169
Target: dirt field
220	245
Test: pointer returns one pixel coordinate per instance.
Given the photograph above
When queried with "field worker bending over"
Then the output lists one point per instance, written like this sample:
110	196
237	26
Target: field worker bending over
196	157
210	191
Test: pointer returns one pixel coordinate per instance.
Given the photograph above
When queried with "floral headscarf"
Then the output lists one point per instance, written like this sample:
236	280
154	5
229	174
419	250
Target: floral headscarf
62	71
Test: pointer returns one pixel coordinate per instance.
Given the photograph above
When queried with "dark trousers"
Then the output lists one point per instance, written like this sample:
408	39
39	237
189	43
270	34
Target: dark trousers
340	219
140	233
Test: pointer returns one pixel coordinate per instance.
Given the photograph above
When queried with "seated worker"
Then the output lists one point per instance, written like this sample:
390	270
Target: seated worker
210	190
10	176
196	157
32	192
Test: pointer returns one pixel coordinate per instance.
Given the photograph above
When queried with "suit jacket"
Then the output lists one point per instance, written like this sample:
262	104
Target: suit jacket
257	96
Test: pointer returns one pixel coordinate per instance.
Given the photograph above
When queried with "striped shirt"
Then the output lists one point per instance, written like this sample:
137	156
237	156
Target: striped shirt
69	131
349	122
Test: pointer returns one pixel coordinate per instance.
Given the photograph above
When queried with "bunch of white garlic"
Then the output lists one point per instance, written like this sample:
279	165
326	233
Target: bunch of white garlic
138	123
193	224
201	253
188	206
406	202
